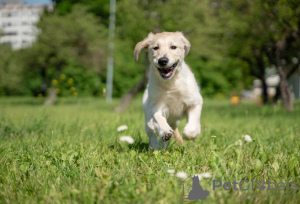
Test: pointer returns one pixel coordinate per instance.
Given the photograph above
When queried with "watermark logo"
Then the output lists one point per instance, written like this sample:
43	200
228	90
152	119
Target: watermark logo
246	185
194	191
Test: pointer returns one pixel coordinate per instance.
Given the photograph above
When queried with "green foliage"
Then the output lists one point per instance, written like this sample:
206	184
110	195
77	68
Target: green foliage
85	82
10	72
70	153
100	8
126	72
63	48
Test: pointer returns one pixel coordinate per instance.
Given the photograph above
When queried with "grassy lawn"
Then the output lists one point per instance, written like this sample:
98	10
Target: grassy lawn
71	153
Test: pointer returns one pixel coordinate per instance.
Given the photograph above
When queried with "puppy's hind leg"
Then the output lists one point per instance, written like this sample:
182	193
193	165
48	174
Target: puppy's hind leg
178	136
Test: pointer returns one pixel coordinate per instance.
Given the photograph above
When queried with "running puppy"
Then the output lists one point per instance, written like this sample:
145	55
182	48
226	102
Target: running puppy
172	92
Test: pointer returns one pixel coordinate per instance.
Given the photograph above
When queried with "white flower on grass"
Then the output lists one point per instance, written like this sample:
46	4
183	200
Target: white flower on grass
127	139
204	175
122	128
171	171
248	138
239	143
181	175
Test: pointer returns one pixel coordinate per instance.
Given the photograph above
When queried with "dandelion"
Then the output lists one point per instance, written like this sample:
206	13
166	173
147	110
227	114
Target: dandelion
181	175
127	139
62	76
72	89
74	94
122	128
248	138
171	171
239	143
204	175
70	81
40	95
54	82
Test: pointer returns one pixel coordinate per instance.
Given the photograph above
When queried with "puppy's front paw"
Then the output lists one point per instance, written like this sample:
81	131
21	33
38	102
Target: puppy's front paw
166	136
190	133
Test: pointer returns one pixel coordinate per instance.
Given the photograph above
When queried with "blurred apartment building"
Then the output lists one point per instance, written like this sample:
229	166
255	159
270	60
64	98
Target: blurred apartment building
17	23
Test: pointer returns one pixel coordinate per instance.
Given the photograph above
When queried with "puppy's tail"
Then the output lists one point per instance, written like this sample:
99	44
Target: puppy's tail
178	136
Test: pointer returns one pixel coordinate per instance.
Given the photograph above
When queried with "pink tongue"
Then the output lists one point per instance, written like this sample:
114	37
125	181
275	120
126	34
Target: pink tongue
168	74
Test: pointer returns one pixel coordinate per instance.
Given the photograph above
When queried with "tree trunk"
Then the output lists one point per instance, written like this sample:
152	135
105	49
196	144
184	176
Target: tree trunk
286	93
281	64
51	98
127	98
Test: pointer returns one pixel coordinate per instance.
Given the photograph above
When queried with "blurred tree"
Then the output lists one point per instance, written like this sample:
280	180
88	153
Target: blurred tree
73	40
283	51
263	33
99	8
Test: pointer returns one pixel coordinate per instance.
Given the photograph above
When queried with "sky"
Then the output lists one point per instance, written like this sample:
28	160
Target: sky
34	2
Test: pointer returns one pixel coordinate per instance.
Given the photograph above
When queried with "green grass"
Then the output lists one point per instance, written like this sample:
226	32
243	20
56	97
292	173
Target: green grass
70	153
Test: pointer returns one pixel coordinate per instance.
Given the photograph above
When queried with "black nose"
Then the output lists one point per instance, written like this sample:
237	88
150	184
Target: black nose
163	61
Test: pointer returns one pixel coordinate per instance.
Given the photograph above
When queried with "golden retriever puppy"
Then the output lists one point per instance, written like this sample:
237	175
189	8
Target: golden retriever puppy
172	92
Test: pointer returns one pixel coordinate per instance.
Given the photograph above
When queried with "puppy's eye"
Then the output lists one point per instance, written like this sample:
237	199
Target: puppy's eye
173	47
156	48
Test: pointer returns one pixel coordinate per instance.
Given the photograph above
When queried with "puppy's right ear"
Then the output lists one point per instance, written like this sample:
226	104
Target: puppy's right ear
142	45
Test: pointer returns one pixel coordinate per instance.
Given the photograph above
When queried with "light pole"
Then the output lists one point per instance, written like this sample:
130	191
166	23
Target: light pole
110	59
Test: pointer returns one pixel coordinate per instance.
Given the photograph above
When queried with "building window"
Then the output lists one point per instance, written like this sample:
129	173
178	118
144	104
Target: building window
24	13
6	24
10	33
14	14
5	14
26	33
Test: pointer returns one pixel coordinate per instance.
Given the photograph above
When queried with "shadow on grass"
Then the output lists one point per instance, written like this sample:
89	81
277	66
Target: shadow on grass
142	147
137	146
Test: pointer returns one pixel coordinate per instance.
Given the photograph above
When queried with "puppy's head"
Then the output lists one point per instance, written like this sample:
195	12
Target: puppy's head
166	52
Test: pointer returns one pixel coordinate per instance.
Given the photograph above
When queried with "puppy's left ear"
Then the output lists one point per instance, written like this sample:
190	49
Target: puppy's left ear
142	45
187	44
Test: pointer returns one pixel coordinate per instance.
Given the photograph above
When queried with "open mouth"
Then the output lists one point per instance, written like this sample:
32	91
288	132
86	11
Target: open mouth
166	73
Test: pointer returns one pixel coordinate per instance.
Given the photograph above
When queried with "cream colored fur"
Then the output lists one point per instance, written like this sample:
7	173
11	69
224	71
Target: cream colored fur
167	101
